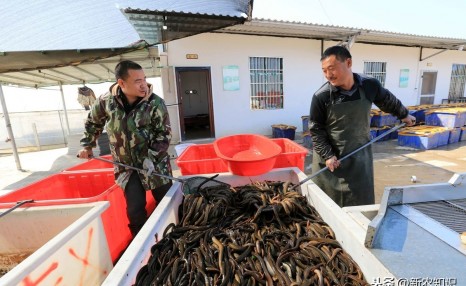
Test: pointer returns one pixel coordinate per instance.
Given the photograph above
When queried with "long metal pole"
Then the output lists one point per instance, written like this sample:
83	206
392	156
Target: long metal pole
64	109
352	153
10	131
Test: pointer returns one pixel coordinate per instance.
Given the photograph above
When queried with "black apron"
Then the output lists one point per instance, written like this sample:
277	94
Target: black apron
348	127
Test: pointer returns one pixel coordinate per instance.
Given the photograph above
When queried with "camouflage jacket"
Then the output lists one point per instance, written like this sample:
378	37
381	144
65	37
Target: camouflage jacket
142	133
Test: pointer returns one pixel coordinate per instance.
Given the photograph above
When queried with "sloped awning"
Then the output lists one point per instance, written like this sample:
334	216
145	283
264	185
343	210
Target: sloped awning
276	28
164	21
41	69
56	62
74	49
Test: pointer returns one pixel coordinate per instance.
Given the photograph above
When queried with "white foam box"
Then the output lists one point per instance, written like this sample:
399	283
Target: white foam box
54	245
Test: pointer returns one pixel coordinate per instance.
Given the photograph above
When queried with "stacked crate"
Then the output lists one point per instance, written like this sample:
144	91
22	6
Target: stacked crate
453	118
381	122
443	125
419	112
423	137
307	141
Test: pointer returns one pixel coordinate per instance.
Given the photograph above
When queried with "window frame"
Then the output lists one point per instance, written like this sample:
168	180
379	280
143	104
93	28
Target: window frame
266	83
457	82
380	75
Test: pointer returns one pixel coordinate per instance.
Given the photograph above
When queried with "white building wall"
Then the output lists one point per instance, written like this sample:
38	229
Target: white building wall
397	58
232	113
302	74
442	63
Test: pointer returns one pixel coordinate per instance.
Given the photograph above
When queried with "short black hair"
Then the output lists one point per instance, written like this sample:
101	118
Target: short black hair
121	69
340	52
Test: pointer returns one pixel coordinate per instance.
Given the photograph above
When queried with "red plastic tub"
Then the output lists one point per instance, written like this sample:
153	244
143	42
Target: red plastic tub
247	154
92	164
200	159
292	154
83	187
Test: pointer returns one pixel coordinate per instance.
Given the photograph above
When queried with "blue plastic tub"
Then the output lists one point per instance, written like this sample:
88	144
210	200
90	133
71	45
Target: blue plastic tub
283	131
443	137
305	120
424	142
381	131
455	134
463	134
383	119
450	120
420	115
307	140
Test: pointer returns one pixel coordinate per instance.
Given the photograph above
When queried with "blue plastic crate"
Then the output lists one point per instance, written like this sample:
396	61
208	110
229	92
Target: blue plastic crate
283	131
373	133
381	131
420	115
443	137
423	142
305	120
463	134
455	134
307	140
383	119
450	120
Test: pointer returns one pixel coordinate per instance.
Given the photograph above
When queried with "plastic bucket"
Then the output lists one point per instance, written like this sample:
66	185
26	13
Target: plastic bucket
283	131
248	154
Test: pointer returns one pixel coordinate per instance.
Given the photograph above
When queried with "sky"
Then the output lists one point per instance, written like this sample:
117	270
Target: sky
421	17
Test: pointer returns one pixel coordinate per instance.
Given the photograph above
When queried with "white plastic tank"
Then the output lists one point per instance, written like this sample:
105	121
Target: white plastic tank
54	245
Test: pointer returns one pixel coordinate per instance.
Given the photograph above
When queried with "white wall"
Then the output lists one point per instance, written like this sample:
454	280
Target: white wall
302	74
397	58
442	63
232	108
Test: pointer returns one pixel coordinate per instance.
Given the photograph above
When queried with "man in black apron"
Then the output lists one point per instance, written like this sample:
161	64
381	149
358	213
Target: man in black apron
339	123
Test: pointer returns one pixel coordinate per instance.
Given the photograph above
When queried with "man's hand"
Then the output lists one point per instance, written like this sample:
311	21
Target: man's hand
85	153
148	166
332	163
409	120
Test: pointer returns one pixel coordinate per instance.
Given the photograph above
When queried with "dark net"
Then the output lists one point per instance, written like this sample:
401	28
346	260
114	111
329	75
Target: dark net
194	184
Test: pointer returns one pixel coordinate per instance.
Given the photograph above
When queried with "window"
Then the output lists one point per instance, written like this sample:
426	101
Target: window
377	70
429	82
266	83
457	81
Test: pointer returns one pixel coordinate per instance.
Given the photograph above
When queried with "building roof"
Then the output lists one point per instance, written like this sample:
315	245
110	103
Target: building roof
45	25
229	8
164	21
267	27
82	70
48	42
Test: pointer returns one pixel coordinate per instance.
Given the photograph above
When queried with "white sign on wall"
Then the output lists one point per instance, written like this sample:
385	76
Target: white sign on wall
230	78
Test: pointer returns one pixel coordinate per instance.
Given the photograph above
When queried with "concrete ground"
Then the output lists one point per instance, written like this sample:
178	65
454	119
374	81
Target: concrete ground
393	165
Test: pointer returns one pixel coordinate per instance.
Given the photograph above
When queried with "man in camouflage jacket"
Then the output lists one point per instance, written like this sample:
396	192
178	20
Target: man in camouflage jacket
138	127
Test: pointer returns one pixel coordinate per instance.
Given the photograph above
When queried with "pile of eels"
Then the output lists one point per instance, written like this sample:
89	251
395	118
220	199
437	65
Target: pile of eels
263	233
